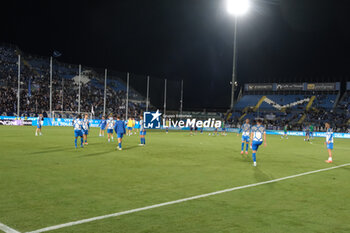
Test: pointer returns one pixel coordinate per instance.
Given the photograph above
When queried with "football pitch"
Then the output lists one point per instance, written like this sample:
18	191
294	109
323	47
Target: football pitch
45	181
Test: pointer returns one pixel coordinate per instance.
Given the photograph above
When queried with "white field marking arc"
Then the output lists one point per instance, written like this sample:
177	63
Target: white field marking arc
179	201
7	229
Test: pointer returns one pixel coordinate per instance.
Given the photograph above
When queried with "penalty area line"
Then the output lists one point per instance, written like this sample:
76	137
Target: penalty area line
180	200
7	229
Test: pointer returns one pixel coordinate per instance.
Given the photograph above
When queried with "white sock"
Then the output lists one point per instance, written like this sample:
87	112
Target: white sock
330	159
108	140
254	163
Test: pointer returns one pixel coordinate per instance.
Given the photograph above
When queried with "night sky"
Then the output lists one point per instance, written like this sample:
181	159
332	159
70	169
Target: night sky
278	41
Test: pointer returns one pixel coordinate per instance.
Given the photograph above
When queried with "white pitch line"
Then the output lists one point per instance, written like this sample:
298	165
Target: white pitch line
178	201
7	229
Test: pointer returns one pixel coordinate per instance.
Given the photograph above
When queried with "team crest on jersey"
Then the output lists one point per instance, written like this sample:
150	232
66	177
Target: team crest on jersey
152	120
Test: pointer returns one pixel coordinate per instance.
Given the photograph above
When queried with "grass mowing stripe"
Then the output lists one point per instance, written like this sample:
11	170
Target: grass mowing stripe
180	200
7	229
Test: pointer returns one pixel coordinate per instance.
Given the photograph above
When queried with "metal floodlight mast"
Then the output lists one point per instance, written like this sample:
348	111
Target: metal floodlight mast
127	97
51	86
19	86
147	98
165	86
236	8
79	89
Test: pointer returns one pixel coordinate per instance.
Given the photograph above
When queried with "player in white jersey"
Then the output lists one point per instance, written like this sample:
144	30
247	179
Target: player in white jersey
110	127
245	129
329	142
86	127
39	125
78	131
257	137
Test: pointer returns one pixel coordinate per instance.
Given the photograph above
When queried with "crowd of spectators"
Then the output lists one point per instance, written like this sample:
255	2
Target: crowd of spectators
35	89
326	107
35	95
344	104
339	119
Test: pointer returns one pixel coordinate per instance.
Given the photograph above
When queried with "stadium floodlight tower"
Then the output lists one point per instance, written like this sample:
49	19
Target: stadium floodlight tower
236	8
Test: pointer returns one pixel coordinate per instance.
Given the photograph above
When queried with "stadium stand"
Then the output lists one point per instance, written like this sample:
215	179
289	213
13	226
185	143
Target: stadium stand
301	108
276	107
35	85
344	103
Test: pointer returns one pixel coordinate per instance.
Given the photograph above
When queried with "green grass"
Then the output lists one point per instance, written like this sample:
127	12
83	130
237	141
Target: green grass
45	181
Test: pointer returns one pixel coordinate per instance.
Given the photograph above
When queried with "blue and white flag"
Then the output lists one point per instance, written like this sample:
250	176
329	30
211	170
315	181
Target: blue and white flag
56	54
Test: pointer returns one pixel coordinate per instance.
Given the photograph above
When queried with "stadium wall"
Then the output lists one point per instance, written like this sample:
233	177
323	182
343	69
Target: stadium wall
292	86
11	120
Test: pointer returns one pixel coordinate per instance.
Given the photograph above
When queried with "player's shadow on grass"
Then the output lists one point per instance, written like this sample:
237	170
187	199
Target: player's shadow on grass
96	154
243	158
260	176
49	150
130	147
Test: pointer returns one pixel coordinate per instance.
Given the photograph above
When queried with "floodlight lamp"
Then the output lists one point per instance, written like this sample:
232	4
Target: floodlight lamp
238	7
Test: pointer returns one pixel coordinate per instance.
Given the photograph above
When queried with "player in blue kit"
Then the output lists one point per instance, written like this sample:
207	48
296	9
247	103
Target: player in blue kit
110	127
120	131
245	129
142	132
78	131
257	137
103	124
329	142
307	133
86	127
39	125
215	131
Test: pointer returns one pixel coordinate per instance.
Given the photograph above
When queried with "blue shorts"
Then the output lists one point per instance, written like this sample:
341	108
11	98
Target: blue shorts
143	132
255	145
78	133
85	131
103	127
129	128
120	135
38	126
109	130
245	139
311	133
330	146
